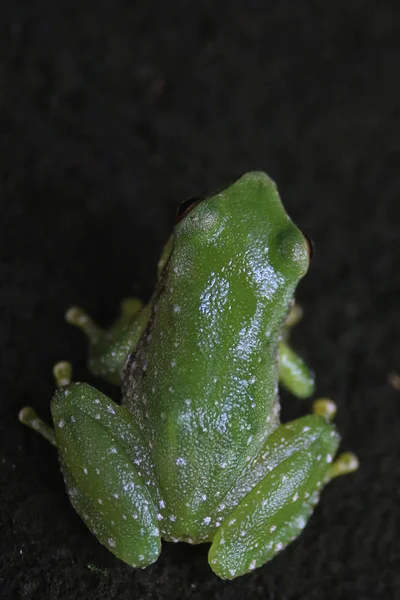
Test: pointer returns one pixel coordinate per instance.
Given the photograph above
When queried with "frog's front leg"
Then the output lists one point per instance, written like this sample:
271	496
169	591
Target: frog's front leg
294	374
277	493
109	349
106	469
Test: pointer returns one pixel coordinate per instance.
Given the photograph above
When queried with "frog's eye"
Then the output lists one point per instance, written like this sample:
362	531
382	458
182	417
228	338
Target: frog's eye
310	247
186	206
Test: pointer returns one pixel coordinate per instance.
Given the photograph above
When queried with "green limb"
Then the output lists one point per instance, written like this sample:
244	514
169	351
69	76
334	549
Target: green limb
294	374
109	349
276	494
107	472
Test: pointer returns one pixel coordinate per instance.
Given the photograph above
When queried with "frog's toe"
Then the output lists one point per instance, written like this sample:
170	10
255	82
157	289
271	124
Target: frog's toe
62	372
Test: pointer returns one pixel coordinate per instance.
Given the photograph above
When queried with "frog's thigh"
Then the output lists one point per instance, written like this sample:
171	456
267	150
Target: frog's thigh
98	444
294	374
110	348
275	511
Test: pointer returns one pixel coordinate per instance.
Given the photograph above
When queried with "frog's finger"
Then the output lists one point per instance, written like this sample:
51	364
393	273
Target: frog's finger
109	349
275	511
28	417
294	374
106	471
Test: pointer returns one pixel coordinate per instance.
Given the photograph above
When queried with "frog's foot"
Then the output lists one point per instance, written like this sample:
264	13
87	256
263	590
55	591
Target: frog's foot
278	491
105	468
109	349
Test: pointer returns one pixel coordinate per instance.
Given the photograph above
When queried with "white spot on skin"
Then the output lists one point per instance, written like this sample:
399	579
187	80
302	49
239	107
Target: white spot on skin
96	401
279	546
180	461
162	504
232	572
319	457
99	500
113	451
207	520
301	523
61	423
295	497
85	470
73	420
177	308
173	363
172	518
97	471
223	465
329	458
252	565
97	417
160	517
272	528
116	496
232	522
204	497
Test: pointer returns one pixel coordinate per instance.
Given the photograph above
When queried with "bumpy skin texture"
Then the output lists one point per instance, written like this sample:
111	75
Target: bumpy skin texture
202	383
196	452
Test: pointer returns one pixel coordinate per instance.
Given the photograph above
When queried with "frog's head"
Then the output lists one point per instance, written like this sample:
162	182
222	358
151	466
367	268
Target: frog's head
246	224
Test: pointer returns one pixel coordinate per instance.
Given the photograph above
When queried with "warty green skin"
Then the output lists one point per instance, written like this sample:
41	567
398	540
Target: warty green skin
196	452
202	383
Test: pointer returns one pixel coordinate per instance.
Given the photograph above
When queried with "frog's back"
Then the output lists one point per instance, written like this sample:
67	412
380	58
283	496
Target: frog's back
203	381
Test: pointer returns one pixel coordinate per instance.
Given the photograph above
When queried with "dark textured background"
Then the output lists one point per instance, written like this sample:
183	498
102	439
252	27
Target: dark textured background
112	112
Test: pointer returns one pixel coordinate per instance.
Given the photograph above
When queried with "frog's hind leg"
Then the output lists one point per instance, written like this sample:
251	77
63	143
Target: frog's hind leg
105	467
294	374
109	349
276	493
